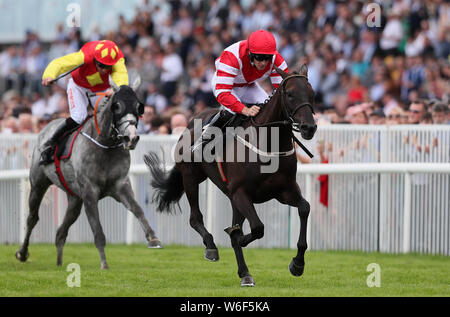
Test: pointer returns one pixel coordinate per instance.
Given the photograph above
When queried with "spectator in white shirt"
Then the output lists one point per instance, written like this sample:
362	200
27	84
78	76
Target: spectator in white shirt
172	69
392	33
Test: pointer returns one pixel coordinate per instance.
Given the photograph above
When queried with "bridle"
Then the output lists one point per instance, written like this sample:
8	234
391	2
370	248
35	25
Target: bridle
115	127
287	113
290	114
290	122
116	136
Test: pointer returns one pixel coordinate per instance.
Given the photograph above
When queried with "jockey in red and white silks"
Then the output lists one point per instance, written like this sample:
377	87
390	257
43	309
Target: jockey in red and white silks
239	68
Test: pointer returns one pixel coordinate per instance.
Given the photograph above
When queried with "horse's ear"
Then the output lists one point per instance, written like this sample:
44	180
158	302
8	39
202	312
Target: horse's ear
136	83
282	73
113	85
304	70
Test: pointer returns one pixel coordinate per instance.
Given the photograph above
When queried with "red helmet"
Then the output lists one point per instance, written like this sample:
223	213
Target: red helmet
107	53
262	42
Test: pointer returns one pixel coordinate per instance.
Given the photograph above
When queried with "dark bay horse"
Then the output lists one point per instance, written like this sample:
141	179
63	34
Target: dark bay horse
98	167
243	181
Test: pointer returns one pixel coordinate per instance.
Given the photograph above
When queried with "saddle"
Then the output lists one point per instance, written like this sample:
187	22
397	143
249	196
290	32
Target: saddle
234	122
63	149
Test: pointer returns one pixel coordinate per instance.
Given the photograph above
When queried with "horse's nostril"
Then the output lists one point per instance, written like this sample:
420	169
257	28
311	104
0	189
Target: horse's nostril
126	139
308	127
304	127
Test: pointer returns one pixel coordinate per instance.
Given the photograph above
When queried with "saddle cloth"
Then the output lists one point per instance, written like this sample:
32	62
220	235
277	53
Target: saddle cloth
64	148
63	151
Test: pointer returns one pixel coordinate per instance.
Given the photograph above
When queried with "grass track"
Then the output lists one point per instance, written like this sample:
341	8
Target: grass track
182	271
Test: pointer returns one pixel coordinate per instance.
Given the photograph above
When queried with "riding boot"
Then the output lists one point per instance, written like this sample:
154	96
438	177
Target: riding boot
49	146
218	121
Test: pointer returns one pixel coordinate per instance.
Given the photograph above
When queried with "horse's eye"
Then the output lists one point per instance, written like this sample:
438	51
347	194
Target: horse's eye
117	108
140	108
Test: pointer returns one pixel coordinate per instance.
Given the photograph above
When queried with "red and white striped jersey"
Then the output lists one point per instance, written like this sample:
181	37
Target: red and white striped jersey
234	69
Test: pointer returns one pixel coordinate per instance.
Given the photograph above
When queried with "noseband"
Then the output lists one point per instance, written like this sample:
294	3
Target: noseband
122	121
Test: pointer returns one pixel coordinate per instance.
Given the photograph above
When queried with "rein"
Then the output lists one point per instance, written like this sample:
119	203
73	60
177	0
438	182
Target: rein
290	122
102	94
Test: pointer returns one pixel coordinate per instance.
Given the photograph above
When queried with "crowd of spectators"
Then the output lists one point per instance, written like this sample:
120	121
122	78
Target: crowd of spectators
394	73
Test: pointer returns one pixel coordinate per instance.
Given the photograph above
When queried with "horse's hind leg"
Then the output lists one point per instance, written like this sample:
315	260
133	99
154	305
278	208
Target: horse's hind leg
236	235
125	195
72	214
244	205
39	185
191	186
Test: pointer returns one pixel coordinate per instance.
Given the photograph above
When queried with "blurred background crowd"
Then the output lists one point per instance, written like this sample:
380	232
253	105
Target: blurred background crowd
394	73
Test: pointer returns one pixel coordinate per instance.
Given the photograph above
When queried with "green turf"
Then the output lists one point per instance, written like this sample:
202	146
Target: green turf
181	271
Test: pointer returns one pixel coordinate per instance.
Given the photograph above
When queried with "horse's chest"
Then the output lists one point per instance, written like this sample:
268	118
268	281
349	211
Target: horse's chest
106	169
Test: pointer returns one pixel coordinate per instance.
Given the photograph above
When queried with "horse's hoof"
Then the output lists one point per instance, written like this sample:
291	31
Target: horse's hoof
104	267
247	281
212	255
154	244
22	257
296	270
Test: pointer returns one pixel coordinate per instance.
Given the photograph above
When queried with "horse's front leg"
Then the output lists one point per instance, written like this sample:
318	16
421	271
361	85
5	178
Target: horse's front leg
297	264
124	194
72	214
90	199
294	198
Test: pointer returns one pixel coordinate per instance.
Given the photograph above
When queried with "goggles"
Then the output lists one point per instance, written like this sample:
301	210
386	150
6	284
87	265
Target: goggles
262	57
103	66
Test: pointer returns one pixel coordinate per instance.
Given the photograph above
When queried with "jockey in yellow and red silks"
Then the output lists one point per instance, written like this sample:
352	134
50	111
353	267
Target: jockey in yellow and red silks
96	61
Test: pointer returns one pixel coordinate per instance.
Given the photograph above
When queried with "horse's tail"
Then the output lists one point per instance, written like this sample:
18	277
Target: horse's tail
168	185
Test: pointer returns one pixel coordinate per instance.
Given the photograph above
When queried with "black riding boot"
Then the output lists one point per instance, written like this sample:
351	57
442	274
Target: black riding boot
49	146
218	121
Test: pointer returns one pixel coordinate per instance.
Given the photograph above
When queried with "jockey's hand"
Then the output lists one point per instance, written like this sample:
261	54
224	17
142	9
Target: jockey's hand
250	112
47	81
109	92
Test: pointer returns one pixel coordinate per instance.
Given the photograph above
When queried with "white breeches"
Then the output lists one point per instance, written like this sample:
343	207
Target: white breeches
250	94
78	101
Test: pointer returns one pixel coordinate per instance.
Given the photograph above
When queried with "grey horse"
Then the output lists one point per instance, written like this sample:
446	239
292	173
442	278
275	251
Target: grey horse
98	167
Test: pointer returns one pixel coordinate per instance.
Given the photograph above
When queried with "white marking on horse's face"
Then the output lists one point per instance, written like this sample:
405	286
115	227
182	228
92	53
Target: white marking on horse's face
130	134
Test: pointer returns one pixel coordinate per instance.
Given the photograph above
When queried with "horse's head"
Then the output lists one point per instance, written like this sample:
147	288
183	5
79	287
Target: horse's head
126	109
297	97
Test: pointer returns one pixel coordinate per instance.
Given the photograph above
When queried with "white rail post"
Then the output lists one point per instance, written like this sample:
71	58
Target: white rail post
210	191
308	197
130	217
23	208
294	227
407	214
